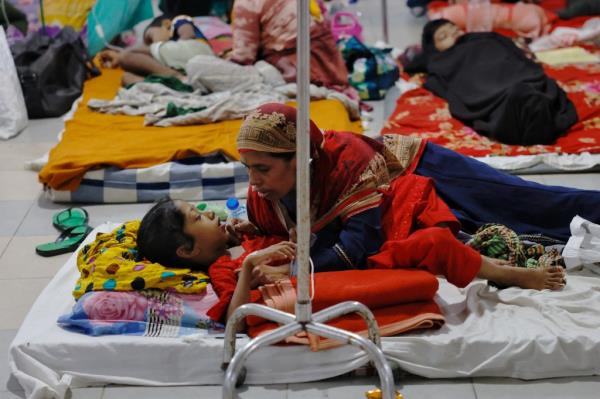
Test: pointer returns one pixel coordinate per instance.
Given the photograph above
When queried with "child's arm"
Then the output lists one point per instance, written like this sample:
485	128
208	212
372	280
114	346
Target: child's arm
283	251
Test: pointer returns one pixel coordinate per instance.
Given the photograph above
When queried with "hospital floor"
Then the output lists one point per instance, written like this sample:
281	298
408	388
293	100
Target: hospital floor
25	221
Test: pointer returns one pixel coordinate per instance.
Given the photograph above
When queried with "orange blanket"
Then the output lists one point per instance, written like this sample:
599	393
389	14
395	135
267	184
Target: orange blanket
401	300
94	140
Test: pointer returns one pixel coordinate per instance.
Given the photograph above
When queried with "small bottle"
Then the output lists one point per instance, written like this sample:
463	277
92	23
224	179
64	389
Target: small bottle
479	16
218	210
235	209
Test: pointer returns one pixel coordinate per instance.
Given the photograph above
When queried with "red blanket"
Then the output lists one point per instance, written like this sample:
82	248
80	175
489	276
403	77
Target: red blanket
401	300
420	113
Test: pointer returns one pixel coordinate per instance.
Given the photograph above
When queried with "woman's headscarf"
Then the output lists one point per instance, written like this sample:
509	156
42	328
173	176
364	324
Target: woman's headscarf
348	170
427	39
419	62
272	128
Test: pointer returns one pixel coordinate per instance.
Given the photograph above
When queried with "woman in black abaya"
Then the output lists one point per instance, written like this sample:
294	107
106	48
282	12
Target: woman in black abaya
491	85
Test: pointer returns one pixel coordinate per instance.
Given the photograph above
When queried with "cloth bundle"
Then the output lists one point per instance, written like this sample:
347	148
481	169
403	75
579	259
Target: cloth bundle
401	300
372	71
223	90
583	247
566	36
500	242
150	313
13	113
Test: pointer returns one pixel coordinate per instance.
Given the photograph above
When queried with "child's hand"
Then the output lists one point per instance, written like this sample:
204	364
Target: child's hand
284	250
109	58
264	274
242	226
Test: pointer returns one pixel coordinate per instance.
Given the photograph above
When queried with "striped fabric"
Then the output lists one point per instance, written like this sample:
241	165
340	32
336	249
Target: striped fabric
197	179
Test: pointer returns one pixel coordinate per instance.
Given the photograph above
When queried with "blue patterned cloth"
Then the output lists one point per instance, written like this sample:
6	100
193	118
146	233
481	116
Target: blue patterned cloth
197	179
151	313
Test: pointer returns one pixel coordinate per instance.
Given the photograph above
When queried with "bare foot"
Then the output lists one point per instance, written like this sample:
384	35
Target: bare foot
503	273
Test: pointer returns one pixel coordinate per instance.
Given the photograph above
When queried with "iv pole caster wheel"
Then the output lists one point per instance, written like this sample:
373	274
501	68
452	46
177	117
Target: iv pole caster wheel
241	378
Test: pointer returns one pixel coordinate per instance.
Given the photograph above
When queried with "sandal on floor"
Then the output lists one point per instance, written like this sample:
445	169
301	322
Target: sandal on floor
68	241
70	217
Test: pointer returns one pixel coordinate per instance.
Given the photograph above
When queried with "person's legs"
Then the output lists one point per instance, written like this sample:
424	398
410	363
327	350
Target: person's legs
144	64
435	249
503	273
479	194
129	78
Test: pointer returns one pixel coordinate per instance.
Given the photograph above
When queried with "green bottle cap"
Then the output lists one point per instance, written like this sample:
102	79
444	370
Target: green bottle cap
201	206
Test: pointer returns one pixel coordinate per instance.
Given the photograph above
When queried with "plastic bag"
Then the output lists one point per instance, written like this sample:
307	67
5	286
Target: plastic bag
583	247
13	114
372	71
52	71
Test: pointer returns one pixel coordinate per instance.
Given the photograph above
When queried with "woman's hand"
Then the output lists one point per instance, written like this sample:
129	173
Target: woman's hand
258	262
235	238
242	226
284	250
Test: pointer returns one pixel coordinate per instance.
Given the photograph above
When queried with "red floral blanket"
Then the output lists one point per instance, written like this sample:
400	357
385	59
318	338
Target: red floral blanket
420	113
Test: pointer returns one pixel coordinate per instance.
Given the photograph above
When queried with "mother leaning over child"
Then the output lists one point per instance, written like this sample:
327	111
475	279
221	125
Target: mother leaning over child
371	207
365	210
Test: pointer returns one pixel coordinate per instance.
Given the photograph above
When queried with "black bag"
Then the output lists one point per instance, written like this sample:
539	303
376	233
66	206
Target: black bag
52	71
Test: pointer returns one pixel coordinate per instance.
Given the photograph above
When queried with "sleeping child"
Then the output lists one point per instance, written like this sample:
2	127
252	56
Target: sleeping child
168	45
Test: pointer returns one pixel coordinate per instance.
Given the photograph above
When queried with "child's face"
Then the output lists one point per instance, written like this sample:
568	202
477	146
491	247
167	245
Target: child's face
158	33
210	236
446	36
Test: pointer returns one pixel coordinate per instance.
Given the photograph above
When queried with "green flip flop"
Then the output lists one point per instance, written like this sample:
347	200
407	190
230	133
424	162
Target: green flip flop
70	217
68	241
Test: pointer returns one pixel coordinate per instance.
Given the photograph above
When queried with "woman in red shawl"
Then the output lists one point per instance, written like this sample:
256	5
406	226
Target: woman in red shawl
266	29
364	211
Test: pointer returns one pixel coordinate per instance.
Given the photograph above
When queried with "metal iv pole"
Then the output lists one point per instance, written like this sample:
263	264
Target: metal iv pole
303	320
384	21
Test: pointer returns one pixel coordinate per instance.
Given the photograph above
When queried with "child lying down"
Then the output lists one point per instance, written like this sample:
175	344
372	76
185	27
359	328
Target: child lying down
175	233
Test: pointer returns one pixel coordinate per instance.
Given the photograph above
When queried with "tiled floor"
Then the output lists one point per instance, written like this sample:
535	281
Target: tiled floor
25	217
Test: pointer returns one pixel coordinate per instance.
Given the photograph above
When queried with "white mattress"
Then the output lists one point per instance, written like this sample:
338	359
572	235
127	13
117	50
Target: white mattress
513	333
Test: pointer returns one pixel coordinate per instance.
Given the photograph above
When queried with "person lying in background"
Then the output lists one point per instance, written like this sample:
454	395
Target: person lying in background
266	29
491	85
526	20
168	46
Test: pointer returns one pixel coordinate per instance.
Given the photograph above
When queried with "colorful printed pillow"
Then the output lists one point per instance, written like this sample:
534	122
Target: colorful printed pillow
153	313
111	263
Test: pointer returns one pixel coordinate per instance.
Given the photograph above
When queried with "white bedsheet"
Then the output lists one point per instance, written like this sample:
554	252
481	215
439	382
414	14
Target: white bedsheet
513	333
558	162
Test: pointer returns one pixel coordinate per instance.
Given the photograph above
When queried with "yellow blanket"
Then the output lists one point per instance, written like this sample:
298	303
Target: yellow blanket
93	140
109	264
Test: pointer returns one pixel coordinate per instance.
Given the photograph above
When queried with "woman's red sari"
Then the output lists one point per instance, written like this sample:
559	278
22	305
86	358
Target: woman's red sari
349	172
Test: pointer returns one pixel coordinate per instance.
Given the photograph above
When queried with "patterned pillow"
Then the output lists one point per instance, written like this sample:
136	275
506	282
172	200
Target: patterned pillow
111	263
153	313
